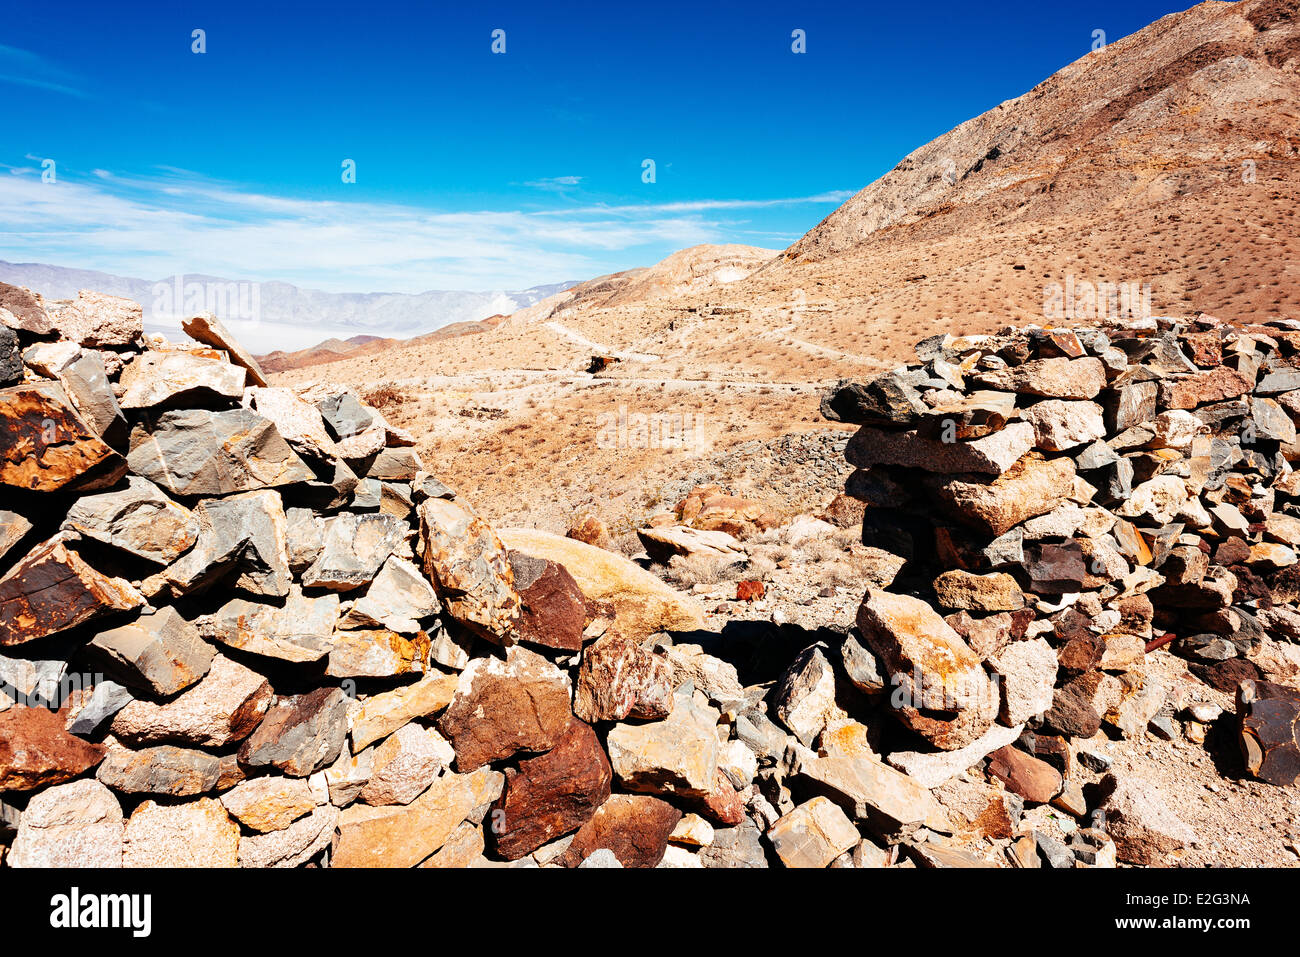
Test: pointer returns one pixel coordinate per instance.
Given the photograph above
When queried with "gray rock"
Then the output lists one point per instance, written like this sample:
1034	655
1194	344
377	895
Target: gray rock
345	415
398	598
242	536
139	519
11	361
162	652
804	696
356	547
470	569
89	712
739	846
300	735
299	630
169	770
1055	853
198	452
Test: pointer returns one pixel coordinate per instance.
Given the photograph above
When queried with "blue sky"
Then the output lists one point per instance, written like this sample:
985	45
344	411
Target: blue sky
477	170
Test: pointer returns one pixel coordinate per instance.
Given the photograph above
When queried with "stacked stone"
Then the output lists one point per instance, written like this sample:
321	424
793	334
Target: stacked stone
243	625
1070	503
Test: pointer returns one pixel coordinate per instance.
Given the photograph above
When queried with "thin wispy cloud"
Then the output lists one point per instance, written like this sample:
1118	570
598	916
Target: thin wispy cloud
555	184
20	67
174	221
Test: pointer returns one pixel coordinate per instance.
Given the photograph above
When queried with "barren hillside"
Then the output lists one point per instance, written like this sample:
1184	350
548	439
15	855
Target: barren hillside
1164	164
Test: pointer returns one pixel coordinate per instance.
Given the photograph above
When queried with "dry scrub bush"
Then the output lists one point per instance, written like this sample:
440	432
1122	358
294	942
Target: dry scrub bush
386	396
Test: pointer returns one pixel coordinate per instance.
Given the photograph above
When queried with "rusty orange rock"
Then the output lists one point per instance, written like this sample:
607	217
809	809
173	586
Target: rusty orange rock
46	447
36	751
53	589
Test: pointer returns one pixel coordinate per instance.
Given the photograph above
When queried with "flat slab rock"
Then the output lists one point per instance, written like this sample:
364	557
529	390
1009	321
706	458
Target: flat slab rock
208	329
163	770
404	835
993	454
221	709
1269	716
678	755
813	834
138	519
155	378
299	630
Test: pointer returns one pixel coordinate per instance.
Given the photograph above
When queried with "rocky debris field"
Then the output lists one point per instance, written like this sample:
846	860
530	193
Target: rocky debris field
247	626
1100	531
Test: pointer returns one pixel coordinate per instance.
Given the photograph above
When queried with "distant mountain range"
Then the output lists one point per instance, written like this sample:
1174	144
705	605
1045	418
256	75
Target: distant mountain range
269	316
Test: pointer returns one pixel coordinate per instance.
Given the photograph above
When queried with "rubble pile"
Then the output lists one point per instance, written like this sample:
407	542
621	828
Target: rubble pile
1074	507
244	625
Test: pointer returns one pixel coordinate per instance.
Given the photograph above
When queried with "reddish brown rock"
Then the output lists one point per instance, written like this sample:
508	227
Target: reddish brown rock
591	531
1270	731
749	590
36	751
723	805
1072	711
53	589
620	679
844	511
553	610
46	447
1034	780
1205	348
502	707
634	826
1213	385
1225	676
552	794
